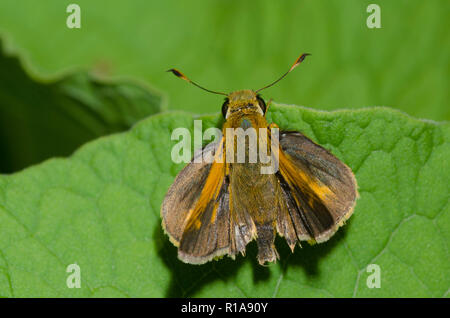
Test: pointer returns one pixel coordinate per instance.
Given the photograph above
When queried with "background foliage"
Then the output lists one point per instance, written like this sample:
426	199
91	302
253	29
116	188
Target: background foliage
229	45
60	88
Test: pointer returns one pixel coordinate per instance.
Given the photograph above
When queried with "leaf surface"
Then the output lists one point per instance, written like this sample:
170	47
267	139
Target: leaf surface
100	207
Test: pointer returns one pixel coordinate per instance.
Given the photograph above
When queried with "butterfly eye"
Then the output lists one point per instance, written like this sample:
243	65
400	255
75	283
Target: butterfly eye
262	104
225	108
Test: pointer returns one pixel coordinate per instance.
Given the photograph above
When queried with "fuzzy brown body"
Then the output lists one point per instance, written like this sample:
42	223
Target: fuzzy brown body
214	209
255	197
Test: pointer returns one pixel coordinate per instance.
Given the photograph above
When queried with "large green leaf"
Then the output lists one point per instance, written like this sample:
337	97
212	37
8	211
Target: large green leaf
100	209
39	120
234	44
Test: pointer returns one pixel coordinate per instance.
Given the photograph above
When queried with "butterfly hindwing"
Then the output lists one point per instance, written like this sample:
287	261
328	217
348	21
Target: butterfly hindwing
206	234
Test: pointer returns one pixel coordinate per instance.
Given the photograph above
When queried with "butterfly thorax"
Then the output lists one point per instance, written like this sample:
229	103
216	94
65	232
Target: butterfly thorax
244	114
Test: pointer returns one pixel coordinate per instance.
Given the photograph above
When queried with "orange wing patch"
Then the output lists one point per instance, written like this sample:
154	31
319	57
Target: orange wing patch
210	191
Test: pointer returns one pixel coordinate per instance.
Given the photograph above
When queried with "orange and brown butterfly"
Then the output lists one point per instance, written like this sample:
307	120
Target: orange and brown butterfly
217	207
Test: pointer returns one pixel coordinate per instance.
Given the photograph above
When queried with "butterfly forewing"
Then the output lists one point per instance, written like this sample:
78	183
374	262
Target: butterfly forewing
319	189
184	193
195	211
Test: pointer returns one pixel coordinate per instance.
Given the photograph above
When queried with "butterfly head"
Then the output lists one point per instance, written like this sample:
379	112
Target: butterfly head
246	99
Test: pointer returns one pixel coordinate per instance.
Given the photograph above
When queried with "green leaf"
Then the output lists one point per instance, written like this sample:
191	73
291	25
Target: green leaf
39	120
234	44
100	209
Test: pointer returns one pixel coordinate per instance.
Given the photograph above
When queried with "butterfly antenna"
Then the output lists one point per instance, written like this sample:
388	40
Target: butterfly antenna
296	63
178	74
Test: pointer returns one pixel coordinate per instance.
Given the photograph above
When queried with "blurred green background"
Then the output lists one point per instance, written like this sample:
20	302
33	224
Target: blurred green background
61	87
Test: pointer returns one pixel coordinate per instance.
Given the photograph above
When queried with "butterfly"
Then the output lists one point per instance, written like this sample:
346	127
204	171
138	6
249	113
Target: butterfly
216	207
